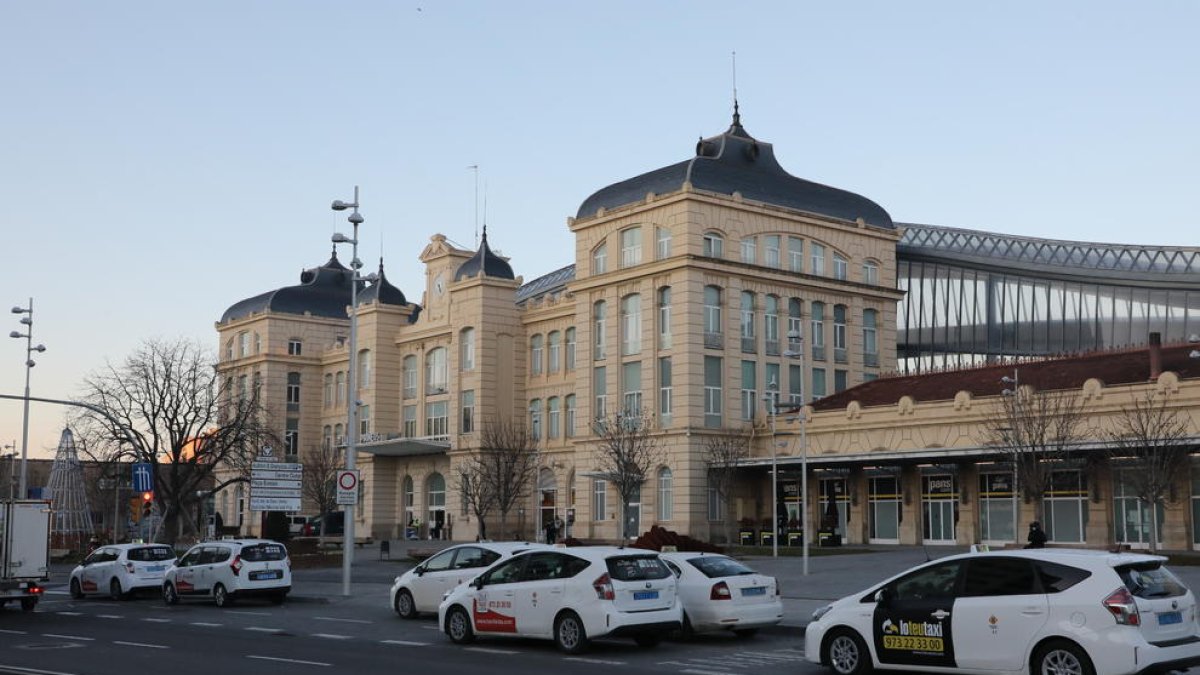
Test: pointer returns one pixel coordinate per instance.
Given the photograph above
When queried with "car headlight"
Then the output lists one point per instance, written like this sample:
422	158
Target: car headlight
820	612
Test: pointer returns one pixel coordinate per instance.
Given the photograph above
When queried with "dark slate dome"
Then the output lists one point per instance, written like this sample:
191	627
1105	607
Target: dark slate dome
382	291
323	291
484	260
736	162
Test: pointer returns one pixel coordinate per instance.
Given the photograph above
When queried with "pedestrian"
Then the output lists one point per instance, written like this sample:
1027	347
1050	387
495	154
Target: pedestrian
558	527
550	533
1036	537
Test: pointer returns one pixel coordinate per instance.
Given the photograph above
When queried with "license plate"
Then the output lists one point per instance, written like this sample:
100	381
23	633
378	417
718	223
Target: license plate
645	595
270	574
155	568
1165	618
755	590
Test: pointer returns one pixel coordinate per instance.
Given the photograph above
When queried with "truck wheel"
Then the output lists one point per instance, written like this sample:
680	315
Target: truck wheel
28	604
76	590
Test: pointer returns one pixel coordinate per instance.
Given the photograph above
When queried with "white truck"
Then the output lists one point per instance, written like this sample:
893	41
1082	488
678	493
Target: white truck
24	551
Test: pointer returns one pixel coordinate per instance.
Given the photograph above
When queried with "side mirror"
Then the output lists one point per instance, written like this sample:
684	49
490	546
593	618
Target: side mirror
419	570
883	597
477	583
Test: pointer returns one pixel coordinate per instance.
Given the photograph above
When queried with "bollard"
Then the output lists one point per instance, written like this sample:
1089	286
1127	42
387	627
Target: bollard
385	548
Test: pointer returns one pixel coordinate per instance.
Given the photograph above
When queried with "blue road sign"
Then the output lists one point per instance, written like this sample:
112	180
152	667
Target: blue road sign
143	477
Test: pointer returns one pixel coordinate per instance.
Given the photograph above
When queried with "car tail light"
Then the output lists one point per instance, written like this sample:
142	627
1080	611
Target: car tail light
1121	605
720	591
236	565
604	587
778	590
36	590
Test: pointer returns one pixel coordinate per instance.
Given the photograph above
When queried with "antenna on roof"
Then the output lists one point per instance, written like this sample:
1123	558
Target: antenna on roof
484	210
736	116
475	168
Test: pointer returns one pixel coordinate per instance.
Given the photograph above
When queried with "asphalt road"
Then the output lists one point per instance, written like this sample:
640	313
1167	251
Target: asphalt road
104	637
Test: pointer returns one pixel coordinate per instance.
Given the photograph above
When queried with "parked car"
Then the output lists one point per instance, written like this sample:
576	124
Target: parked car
720	593
569	595
1041	611
422	588
120	570
227	570
336	525
297	524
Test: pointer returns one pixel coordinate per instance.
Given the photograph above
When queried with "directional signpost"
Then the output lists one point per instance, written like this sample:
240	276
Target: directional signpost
275	485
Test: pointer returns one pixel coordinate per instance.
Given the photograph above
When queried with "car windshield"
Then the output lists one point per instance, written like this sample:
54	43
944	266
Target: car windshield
262	552
718	566
636	568
150	554
1151	580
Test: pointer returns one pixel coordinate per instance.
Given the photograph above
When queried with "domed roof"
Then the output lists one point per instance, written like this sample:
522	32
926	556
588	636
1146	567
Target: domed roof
382	291
484	260
323	291
737	162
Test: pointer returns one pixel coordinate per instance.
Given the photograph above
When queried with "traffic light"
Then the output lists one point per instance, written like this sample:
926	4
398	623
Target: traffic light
135	509
147	504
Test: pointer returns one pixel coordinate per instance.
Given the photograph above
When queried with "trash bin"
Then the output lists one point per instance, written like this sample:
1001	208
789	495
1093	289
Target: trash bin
385	548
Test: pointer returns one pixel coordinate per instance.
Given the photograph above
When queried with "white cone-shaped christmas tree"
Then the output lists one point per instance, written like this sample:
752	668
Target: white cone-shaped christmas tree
71	525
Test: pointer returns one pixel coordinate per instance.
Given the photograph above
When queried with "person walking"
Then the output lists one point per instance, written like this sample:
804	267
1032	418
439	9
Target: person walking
1036	537
551	533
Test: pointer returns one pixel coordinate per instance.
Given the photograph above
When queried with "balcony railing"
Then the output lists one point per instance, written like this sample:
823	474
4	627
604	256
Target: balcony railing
748	345
871	359
714	341
840	355
818	352
772	347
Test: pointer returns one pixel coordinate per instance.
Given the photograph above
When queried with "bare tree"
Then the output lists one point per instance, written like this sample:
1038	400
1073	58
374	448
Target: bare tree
724	453
166	405
319	480
509	459
1156	440
1037	430
626	454
477	488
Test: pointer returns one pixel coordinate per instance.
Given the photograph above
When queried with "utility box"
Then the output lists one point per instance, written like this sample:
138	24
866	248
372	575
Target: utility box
24	550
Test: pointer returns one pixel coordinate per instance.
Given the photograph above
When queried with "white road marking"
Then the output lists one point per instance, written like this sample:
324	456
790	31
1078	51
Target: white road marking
32	671
260	629
330	636
488	650
14	632
697	671
430	627
157	620
70	613
109	616
274	658
67	637
405	643
139	644
249	613
605	662
56	592
331	618
206	624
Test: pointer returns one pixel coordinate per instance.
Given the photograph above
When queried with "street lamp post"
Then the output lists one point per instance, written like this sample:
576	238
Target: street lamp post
30	348
771	398
796	349
11	456
355	220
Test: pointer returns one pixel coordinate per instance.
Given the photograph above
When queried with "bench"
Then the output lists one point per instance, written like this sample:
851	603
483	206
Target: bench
336	542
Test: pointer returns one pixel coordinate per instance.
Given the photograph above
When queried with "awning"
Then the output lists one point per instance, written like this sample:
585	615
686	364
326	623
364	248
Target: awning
407	447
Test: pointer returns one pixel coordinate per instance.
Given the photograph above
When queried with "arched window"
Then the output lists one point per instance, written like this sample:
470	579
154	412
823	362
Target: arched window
408	369
341	388
229	349
748	346
569	418
327	437
569	359
714	245
870	270
712	317
436	490
749	249
631	324
795	328
817	334
599	325
839	333
771	325
327	399
664	317
466	358
553	350
631	247
553	414
339	439
535	419
817	252
666	492
600	259
535	355
435	371
870	338
841	267
364	369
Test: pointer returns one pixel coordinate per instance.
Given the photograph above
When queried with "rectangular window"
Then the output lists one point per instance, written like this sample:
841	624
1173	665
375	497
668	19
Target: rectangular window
795	254
437	419
818	384
841	380
839	334
293	395
631	325
327	397
294	347
841	268
600	392
870	273
569	361
818	259
749	248
771	250
410	421
714	503
600	260
569	421
553	418
664	391
712	391
664	318
364	420
631	247
535	356
714	246
291	440
599	492
663	245
818	331
410	378
795	385
631	388
552	352
467	399
749	389
773	384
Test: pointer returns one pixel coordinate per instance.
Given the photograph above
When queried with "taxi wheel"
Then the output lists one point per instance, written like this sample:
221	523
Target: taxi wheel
169	595
686	631
114	590
222	597
1060	657
76	590
846	653
569	633
405	606
458	626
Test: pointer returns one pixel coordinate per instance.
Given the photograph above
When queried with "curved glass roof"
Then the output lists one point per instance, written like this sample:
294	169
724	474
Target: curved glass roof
1052	254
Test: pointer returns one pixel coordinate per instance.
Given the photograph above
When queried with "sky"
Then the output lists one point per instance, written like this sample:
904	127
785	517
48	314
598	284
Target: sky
161	161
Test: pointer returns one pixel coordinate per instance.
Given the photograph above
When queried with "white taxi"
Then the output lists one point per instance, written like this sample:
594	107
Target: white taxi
719	593
422	588
570	595
226	570
1040	611
119	570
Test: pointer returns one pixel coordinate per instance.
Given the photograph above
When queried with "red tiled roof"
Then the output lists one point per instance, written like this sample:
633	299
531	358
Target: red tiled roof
1111	368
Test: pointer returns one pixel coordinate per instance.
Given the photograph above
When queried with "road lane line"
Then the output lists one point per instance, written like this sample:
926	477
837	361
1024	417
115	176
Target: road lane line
31	671
157	620
67	637
331	618
207	624
70	613
109	616
139	644
697	671
260	629
604	662
331	636
298	661
405	643
249	613
431	627
489	650
14	632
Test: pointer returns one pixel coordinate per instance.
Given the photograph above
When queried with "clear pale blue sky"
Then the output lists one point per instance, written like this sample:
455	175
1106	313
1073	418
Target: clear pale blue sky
161	160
